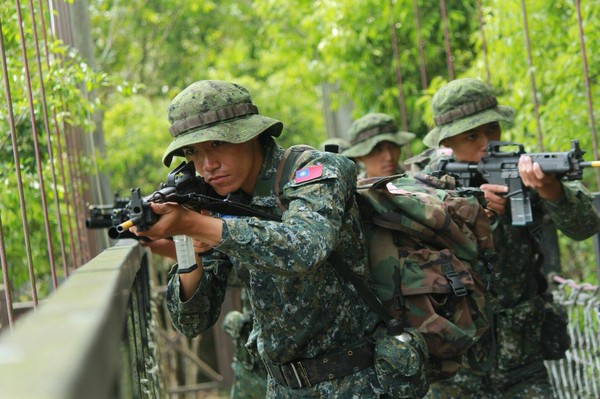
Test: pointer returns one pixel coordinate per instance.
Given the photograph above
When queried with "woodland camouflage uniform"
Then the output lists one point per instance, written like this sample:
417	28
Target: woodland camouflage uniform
522	326
302	310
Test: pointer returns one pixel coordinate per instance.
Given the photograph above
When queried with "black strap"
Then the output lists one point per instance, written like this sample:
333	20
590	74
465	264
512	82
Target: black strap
181	270
284	169
225	206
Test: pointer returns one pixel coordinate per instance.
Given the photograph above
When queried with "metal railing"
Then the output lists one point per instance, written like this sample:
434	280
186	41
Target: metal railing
90	339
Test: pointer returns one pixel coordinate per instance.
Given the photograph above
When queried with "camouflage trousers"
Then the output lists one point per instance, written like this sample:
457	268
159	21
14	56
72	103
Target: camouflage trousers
528	382
249	383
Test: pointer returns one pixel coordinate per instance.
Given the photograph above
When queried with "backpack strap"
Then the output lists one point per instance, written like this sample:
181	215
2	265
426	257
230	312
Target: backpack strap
394	326
291	157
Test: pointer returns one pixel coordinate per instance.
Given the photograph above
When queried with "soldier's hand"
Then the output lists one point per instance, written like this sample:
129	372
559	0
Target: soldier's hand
174	220
495	197
547	185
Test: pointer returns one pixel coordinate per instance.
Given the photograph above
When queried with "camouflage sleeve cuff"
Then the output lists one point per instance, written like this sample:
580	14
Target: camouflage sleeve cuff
192	303
571	194
574	212
237	233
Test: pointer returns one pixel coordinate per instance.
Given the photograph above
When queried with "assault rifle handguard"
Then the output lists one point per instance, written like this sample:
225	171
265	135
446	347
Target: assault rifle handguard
105	217
182	187
501	167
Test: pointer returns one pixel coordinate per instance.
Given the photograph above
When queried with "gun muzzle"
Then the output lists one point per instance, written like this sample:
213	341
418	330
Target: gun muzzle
125	226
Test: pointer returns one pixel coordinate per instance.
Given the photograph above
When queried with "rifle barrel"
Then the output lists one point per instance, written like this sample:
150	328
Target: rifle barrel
125	225
593	164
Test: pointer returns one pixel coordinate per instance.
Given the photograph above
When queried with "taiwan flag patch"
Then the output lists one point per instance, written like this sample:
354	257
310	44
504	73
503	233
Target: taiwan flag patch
307	174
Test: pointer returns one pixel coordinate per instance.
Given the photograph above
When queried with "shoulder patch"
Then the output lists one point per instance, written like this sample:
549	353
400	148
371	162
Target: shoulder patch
309	173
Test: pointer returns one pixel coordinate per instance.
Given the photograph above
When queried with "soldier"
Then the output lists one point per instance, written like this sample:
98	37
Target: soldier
312	331
467	116
375	144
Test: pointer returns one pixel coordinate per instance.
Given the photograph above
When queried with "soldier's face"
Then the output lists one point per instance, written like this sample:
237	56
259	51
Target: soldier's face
470	146
227	167
382	160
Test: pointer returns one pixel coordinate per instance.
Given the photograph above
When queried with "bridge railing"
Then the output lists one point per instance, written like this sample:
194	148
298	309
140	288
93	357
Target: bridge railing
92	338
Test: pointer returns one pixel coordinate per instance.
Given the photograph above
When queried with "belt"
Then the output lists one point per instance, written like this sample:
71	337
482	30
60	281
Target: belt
306	372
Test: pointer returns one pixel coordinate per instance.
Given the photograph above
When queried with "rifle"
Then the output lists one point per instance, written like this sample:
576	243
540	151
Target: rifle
182	187
108	216
501	167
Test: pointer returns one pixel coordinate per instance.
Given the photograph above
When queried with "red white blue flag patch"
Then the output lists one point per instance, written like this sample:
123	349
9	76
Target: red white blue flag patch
310	173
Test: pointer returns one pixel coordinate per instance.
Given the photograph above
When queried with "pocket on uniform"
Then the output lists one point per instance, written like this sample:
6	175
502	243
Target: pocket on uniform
518	334
400	364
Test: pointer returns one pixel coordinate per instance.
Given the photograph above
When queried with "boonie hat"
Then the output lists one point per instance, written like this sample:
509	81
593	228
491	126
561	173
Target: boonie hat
214	110
373	128
462	105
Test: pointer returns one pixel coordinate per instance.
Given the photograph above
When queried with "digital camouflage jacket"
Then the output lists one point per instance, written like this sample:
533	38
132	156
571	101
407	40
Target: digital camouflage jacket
300	306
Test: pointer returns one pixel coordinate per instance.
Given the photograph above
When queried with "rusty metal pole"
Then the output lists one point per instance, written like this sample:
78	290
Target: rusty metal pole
424	82
449	61
484	48
588	90
536	106
13	135
34	130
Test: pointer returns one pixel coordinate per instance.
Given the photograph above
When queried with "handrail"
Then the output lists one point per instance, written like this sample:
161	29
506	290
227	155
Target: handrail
70	347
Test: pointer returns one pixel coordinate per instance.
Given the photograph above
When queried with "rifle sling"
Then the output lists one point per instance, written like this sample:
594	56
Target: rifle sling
199	202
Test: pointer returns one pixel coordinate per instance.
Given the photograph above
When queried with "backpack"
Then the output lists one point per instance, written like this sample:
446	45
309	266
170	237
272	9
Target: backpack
431	257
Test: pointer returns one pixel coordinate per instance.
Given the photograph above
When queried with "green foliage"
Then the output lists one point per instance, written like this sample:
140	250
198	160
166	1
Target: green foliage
284	51
135	140
557	68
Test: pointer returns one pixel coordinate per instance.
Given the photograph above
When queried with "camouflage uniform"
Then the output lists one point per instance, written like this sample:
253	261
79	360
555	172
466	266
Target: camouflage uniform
516	346
250	377
371	129
301	308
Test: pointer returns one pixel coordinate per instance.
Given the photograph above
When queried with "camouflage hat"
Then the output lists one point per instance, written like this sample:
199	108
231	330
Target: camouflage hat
214	110
366	132
462	105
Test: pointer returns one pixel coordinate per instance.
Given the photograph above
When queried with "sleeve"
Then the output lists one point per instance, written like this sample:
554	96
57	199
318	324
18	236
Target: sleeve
310	228
574	213
202	310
